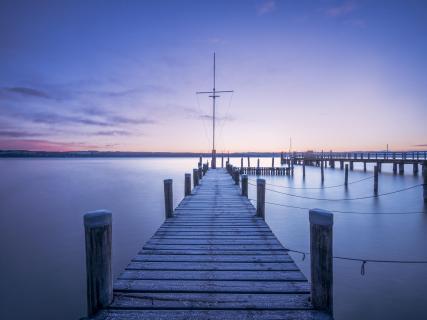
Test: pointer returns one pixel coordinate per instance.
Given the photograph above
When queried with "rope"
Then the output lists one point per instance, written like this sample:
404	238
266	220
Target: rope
343	199
362	260
317	188
338	211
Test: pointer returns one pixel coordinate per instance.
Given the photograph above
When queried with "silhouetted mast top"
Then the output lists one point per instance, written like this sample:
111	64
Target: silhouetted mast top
213	95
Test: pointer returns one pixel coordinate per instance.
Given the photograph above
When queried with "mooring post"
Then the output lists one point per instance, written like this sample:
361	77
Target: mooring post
245	185
272	162
187	184
99	277
321	252
364	166
379	166
322	174
341	164
168	198
200	171
425	180
346	175
236	177
241	165
351	165
394	167
222	160
260	198
303	168
376	180
249	162
195	177
200	161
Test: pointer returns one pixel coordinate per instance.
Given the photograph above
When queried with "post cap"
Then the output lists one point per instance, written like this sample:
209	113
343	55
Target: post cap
167	181
260	181
188	174
321	217
244	176
98	218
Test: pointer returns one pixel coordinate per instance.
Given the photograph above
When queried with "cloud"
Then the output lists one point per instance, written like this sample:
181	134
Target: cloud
52	118
341	10
113	133
420	145
265	7
125	120
18	134
27	92
45	145
218	118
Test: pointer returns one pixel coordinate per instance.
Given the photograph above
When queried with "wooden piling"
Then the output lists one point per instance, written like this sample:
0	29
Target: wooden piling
351	165
364	166
375	180
245	185
401	167
379	165
187	184
168	198
99	277
195	177
415	169
260	198
424	169
394	167
346	175
341	164
272	162
322	174
321	251
222	160
303	169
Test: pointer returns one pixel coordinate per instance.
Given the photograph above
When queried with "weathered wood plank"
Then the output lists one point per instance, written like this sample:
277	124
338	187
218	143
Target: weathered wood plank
208	286
213	258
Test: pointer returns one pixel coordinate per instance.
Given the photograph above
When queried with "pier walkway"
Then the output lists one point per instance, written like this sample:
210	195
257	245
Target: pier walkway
213	259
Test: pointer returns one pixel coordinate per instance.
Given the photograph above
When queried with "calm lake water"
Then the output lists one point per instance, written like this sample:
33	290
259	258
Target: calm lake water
42	202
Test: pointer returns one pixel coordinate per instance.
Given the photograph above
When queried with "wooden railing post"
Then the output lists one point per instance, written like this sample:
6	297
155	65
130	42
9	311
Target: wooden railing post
321	222
187	184
99	278
168	198
260	198
195	177
245	185
322	174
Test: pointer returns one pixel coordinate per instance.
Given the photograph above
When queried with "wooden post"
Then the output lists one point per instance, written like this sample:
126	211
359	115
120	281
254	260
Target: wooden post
376	180
99	277
200	161
241	165
303	169
260	198
249	162
394	167
401	168
379	166
245	185
322	174
222	160
346	175
272	162
415	169
200	172
351	165
425	180
236	177
321	252
168	198
341	164
187	184
195	177
364	166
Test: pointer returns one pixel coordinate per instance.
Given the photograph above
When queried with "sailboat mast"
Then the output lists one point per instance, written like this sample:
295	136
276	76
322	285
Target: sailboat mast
213	107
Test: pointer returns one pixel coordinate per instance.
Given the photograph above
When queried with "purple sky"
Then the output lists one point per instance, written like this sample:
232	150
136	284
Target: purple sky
122	75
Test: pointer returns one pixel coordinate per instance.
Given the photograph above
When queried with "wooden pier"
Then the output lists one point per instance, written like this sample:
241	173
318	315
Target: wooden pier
214	257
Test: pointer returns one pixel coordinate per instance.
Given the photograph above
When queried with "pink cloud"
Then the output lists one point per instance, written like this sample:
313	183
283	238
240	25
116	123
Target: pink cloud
43	145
